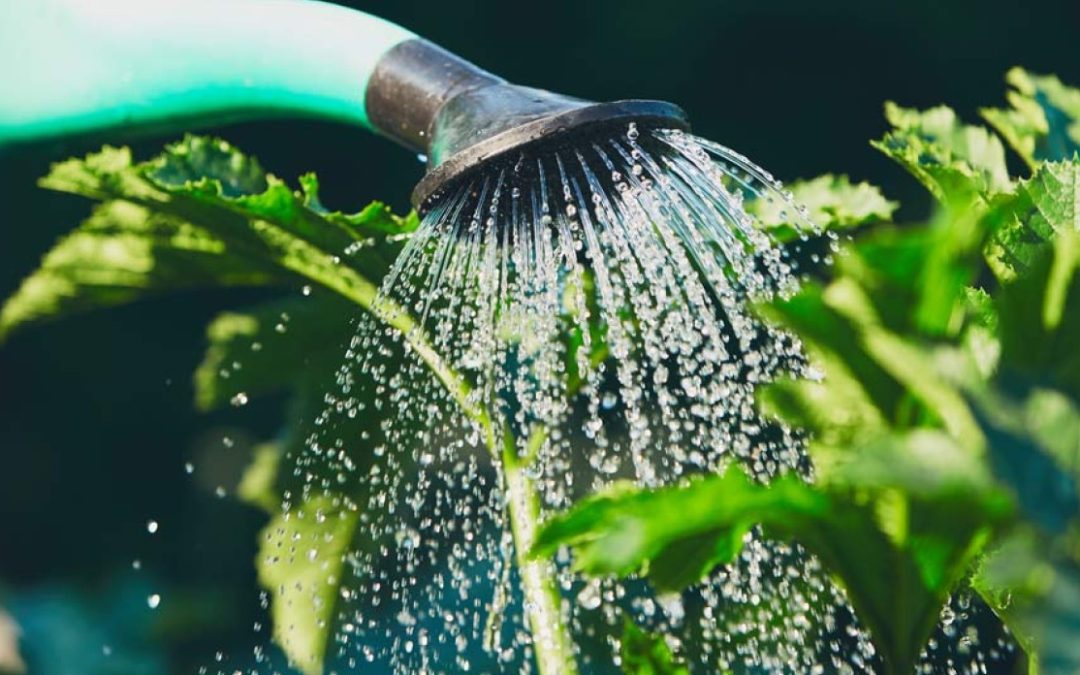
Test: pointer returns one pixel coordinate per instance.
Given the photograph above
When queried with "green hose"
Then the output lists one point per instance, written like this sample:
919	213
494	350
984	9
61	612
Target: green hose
77	66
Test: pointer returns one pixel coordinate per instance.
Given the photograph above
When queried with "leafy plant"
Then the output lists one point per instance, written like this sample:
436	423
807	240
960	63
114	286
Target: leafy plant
944	432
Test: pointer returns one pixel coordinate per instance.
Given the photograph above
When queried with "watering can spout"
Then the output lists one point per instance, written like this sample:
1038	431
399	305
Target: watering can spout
92	66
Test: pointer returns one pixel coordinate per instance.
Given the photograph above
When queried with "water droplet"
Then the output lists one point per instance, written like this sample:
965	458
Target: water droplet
589	596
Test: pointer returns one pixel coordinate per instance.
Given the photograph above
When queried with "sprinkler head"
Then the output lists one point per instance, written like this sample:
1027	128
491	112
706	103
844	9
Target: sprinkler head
464	118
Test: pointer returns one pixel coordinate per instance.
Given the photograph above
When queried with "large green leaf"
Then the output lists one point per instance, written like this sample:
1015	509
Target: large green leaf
200	214
954	161
913	509
301	561
1043	123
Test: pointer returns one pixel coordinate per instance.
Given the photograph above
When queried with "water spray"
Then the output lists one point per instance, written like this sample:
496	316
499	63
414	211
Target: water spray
538	208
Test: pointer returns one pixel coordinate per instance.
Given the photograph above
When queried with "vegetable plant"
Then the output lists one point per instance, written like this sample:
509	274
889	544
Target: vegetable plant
944	431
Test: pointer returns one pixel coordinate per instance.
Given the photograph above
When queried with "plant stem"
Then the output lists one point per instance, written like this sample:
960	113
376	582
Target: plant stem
551	641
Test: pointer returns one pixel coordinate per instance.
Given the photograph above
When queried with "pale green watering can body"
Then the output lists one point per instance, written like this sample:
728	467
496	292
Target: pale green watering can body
76	66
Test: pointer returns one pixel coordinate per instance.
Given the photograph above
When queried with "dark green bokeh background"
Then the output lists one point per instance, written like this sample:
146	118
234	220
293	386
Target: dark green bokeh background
96	420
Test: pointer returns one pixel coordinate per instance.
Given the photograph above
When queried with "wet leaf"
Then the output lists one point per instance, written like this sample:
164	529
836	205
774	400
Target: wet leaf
301	561
941	507
1043	122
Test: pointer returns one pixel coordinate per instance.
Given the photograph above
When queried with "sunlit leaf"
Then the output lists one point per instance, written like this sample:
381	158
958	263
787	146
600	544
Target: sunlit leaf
1043	122
952	160
1046	208
1039	319
832	202
201	214
301	562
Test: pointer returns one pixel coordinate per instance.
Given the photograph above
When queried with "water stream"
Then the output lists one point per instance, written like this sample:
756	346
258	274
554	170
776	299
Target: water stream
572	318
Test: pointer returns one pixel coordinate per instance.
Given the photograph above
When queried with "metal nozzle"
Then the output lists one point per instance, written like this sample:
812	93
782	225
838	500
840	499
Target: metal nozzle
462	117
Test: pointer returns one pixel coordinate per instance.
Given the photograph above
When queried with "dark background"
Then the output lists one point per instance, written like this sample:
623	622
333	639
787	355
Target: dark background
96	420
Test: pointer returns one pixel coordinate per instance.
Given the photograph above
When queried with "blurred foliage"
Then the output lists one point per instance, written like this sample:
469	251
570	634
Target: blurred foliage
645	653
302	562
1041	123
944	427
104	634
203	214
11	661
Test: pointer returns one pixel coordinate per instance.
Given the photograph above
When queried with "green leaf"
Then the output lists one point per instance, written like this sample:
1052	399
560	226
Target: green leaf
1034	447
272	347
201	214
914	509
954	161
301	561
1046	207
832	202
122	252
644	653
1037	594
835	408
874	366
622	528
1039	318
259	480
1043	123
980	335
832	338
